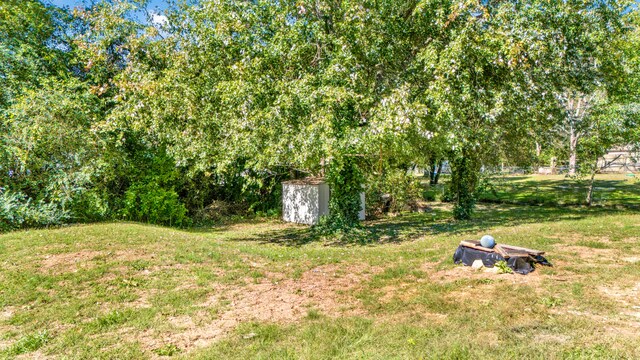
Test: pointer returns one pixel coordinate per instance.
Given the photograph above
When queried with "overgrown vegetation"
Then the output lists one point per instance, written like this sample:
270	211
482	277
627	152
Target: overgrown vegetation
346	182
106	115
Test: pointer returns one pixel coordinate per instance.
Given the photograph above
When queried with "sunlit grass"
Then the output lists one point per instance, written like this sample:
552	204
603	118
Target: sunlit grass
127	290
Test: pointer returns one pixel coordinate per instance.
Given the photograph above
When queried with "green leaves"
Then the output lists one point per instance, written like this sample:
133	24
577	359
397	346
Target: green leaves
238	95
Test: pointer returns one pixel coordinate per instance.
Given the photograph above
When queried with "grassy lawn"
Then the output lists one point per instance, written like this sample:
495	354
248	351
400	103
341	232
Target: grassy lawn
267	290
609	190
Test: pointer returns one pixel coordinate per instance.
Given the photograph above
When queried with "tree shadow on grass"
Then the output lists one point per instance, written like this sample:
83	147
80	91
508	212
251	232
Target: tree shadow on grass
410	226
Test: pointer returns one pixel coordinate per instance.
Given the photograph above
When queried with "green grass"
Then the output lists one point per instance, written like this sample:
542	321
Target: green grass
609	190
265	289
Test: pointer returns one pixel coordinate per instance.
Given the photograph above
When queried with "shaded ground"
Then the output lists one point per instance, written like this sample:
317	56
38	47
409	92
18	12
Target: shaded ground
274	290
435	221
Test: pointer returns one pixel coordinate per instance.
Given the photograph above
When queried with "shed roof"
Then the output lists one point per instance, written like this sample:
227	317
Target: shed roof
306	181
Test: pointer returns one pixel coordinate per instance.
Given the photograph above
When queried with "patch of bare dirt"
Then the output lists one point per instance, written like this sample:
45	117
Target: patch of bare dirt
551	338
586	253
187	338
632	240
467	272
328	289
628	297
324	288
7	312
71	261
5	344
143	301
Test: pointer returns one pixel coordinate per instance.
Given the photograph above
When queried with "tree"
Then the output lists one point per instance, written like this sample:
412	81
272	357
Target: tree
34	56
228	98
608	129
32	46
285	88
587	63
614	119
479	81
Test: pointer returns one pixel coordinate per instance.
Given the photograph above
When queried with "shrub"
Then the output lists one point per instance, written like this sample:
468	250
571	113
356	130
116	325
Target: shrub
429	194
17	211
403	191
345	180
219	210
89	205
503	268
150	203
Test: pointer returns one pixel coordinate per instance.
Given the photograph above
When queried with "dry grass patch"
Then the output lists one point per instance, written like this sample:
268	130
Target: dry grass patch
628	297
87	259
68	262
588	254
327	289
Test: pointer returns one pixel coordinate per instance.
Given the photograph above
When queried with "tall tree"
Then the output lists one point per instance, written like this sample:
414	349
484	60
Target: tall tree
264	88
480	78
31	46
587	62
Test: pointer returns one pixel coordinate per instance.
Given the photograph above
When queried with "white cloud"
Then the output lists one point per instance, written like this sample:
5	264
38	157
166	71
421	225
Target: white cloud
158	19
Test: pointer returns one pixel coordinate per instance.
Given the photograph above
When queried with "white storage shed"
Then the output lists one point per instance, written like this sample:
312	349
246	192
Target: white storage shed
304	201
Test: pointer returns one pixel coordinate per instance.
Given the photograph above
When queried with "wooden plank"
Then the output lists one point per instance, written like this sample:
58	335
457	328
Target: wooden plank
500	250
506	252
522	250
475	245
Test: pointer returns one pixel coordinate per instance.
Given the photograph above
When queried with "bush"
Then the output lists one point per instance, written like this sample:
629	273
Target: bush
219	210
17	211
429	194
345	180
403	191
89	206
153	204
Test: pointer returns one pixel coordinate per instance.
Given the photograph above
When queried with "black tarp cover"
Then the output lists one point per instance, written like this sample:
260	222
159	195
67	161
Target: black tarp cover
520	265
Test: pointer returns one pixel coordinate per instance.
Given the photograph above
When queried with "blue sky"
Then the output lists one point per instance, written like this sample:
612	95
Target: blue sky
153	4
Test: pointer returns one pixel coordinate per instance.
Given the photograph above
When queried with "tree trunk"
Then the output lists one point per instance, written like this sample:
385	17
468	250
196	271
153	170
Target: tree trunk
573	145
465	173
432	174
590	191
437	176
